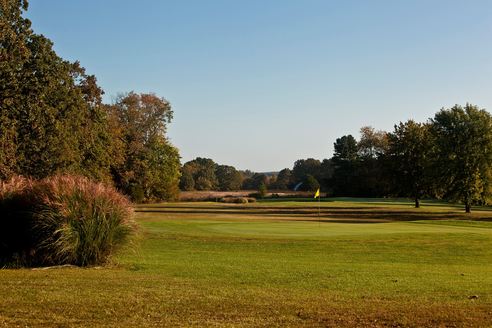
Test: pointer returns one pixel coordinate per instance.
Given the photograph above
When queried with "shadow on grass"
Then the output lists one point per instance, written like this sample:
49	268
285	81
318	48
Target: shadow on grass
345	214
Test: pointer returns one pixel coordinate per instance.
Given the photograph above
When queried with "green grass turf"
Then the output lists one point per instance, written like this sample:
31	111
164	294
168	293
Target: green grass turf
368	262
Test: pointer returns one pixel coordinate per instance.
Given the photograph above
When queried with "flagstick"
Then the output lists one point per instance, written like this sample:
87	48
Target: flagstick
319	209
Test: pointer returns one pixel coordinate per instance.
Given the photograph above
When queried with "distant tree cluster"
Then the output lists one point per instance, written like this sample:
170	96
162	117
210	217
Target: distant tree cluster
52	119
205	174
448	157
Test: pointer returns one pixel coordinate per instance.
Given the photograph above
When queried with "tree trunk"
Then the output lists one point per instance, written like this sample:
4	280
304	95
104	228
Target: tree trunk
417	202
467	207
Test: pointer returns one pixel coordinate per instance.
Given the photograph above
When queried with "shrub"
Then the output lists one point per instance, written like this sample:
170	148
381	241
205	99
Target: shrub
16	237
136	193
262	190
238	200
62	220
234	200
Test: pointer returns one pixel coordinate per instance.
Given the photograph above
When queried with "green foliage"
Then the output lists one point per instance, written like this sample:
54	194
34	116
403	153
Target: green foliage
309	183
255	181
408	159
52	119
302	167
284	180
149	161
61	220
321	171
14	53
262	190
228	178
372	143
162	174
346	162
327	170
203	173
186	182
346	149
357	166
463	154
50	114
136	193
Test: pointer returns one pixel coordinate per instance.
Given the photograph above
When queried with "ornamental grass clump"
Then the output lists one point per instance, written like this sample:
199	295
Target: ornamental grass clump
68	220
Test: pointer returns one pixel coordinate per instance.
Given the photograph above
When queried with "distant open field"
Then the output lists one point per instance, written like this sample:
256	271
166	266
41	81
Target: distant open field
216	195
361	262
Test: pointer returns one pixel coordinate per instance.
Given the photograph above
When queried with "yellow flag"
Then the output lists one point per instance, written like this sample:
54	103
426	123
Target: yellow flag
316	195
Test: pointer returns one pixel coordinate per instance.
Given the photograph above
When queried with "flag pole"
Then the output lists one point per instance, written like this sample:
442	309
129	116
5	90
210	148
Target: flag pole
318	194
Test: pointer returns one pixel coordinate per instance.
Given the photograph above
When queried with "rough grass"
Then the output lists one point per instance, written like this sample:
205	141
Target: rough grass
274	264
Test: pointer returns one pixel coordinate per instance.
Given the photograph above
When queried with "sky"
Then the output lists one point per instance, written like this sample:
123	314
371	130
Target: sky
259	84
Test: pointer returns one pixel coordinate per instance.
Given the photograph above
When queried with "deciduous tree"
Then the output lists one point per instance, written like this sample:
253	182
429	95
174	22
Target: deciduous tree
303	167
284	179
345	161
372	143
50	115
228	178
463	157
150	163
408	159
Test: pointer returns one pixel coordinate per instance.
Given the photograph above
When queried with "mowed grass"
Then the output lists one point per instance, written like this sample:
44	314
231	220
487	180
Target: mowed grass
369	262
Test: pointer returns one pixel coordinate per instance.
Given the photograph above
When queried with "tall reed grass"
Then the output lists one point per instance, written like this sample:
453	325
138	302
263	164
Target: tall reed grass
62	220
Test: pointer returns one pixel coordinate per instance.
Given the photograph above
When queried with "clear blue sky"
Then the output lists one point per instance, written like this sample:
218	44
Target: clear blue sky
260	83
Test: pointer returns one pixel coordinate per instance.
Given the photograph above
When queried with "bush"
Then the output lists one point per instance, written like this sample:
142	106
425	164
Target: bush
262	190
16	237
234	200
61	220
136	193
237	200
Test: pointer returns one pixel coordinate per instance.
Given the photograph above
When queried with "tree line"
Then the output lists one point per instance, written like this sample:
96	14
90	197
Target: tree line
53	119
205	174
447	157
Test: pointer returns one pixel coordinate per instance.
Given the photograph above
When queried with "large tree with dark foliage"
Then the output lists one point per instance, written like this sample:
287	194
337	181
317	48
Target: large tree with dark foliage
149	169
284	180
371	179
408	159
356	166
463	156
50	114
255	181
309	183
52	119
199	174
304	167
345	160
228	178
